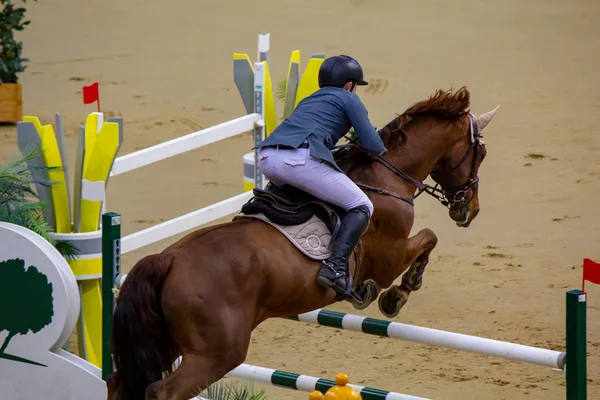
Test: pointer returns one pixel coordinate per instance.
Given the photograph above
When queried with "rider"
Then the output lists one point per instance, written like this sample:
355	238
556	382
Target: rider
298	153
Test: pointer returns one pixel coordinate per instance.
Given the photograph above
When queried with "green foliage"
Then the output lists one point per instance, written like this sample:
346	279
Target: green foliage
19	203
11	20
352	134
281	89
223	390
26	302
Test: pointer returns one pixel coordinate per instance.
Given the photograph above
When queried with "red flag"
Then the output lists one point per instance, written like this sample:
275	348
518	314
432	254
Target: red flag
591	272
90	94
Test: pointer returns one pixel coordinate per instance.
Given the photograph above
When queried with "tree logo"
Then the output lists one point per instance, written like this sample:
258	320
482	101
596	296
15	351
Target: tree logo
26	303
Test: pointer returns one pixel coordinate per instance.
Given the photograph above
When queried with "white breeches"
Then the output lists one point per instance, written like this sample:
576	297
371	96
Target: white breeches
296	167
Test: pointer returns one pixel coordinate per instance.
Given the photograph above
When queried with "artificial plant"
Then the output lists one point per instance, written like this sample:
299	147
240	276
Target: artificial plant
12	19
19	203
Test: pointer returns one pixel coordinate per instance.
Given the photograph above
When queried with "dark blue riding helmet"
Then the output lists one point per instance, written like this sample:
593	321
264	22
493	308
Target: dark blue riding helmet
337	70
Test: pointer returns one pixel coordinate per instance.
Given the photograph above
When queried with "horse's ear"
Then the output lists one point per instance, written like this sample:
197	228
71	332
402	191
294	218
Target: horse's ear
403	119
484	119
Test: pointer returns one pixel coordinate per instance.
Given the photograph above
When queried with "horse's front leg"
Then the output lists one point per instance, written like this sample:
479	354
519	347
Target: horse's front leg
368	292
417	256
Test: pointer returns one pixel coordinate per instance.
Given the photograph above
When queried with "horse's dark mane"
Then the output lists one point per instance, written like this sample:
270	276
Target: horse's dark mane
446	105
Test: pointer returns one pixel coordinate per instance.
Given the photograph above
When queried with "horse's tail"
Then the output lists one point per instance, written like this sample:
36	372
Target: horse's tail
141	344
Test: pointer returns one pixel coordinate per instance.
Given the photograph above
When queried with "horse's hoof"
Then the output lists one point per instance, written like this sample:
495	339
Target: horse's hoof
391	302
368	293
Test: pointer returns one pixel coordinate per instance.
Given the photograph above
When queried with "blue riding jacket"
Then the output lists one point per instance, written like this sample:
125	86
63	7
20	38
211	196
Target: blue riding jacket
323	118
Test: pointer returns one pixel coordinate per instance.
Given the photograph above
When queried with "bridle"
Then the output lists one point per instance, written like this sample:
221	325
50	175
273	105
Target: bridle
449	197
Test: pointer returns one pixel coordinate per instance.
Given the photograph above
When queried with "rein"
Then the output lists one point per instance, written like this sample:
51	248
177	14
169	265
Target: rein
447	197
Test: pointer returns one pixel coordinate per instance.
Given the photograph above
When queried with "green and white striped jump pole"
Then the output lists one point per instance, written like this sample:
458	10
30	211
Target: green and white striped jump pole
574	364
304	383
435	337
307	383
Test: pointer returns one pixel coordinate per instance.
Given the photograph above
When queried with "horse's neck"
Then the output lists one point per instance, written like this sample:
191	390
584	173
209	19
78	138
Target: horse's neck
417	157
421	152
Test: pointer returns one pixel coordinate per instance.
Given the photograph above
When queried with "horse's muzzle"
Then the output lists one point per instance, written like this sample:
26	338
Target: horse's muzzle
463	216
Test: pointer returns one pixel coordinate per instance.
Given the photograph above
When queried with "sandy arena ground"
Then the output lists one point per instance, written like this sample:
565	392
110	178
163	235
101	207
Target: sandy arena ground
167	69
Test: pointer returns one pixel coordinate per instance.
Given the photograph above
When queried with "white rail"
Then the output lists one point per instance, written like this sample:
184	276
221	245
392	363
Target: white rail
172	148
183	144
183	223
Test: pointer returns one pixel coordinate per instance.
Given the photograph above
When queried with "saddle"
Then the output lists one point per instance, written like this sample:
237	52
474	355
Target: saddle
309	223
291	206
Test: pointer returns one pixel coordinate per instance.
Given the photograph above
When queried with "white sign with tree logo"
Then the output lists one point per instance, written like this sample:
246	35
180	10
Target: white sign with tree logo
39	307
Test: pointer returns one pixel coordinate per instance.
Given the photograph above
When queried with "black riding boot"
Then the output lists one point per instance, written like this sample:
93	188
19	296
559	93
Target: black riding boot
335	272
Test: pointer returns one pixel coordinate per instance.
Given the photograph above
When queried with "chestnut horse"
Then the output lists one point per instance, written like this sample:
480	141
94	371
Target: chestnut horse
203	296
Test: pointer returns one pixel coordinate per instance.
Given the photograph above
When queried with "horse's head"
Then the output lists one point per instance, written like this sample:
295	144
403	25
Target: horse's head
457	170
439	137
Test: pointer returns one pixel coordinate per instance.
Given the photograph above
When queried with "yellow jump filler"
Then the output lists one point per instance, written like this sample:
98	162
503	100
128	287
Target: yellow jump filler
256	89
98	145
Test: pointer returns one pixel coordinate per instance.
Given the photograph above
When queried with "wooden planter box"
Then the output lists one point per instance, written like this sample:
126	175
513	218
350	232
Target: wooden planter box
11	106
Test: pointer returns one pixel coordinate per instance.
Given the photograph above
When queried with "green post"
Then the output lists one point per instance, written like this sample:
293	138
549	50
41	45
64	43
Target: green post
576	369
111	267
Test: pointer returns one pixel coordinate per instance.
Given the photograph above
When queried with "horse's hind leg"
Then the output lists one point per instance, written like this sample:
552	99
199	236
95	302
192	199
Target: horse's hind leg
418	249
193	375
213	337
208	363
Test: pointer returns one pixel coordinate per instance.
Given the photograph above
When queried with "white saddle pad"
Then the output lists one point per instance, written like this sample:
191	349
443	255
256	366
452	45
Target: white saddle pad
312	238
